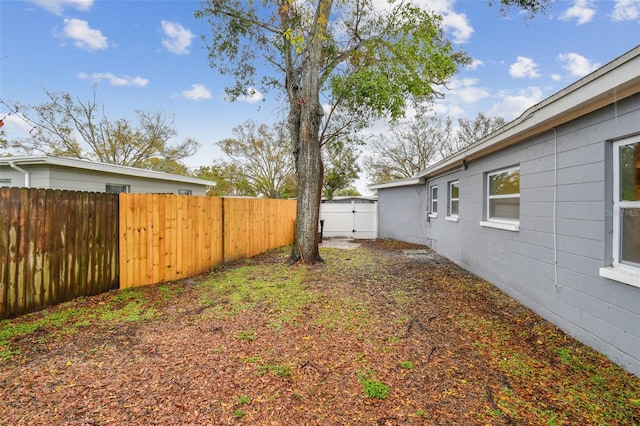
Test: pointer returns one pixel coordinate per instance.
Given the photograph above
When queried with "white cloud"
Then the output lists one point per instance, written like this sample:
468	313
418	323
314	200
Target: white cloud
177	38
448	110
83	36
457	95
197	92
464	91
57	6
114	80
582	10
513	105
626	10
556	77
458	24
577	65
524	68
454	22
253	96
475	64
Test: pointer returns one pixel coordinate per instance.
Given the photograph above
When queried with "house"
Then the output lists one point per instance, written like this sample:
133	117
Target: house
547	209
84	175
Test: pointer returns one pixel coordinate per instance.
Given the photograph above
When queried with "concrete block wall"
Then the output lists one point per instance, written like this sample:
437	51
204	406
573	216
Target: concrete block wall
551	264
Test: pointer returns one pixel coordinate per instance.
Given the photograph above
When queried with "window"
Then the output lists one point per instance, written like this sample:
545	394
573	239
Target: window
626	204
116	188
503	199
625	266
454	200
434	201
5	182
184	191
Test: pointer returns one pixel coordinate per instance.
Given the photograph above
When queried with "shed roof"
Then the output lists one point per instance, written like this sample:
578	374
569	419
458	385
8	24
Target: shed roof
613	82
77	163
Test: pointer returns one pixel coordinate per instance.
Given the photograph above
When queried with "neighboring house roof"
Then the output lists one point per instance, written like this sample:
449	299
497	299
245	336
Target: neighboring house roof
613	82
101	167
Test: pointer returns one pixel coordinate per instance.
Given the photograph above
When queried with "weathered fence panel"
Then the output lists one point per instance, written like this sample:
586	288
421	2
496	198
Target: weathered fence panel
55	246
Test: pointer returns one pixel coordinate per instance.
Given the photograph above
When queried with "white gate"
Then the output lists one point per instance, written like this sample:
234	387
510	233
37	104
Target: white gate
349	220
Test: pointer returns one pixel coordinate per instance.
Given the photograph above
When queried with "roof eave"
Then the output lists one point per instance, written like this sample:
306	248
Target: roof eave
105	168
613	82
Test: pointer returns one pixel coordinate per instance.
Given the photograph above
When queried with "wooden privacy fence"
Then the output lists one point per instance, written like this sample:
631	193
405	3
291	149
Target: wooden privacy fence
55	246
58	245
165	237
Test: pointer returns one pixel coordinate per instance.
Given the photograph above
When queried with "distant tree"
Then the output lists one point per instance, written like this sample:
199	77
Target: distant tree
263	158
407	148
471	131
4	144
411	147
341	168
69	127
229	180
348	192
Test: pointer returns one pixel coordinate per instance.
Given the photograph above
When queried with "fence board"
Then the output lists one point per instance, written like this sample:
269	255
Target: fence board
54	246
170	237
58	245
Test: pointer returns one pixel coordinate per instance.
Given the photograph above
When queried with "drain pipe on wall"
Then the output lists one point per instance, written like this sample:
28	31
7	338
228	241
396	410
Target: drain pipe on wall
27	176
555	203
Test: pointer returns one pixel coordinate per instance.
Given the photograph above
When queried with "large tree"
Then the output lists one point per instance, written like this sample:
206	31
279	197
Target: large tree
262	156
341	169
229	179
471	131
371	61
408	147
71	127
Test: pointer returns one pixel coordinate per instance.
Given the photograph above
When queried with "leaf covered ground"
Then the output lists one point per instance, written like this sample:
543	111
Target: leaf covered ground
372	336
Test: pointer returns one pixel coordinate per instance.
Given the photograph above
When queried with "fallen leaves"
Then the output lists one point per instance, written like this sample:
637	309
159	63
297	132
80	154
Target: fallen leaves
259	343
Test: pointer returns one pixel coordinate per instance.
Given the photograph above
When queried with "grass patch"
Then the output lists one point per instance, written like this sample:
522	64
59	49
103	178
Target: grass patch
126	306
276	285
373	388
407	365
280	370
589	389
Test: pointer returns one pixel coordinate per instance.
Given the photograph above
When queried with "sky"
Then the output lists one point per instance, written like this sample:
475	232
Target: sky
148	55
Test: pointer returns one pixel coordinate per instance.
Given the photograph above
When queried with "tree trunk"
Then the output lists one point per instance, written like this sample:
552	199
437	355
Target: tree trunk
305	116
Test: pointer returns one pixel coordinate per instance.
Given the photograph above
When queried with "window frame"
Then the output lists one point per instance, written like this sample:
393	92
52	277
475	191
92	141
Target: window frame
618	271
127	188
184	191
433	212
490	197
453	217
620	204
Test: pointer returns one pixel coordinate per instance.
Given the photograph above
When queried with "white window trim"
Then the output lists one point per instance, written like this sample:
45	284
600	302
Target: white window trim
621	272
432	214
507	224
453	217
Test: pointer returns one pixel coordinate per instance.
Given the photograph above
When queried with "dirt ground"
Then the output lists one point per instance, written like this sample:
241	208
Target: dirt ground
373	336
